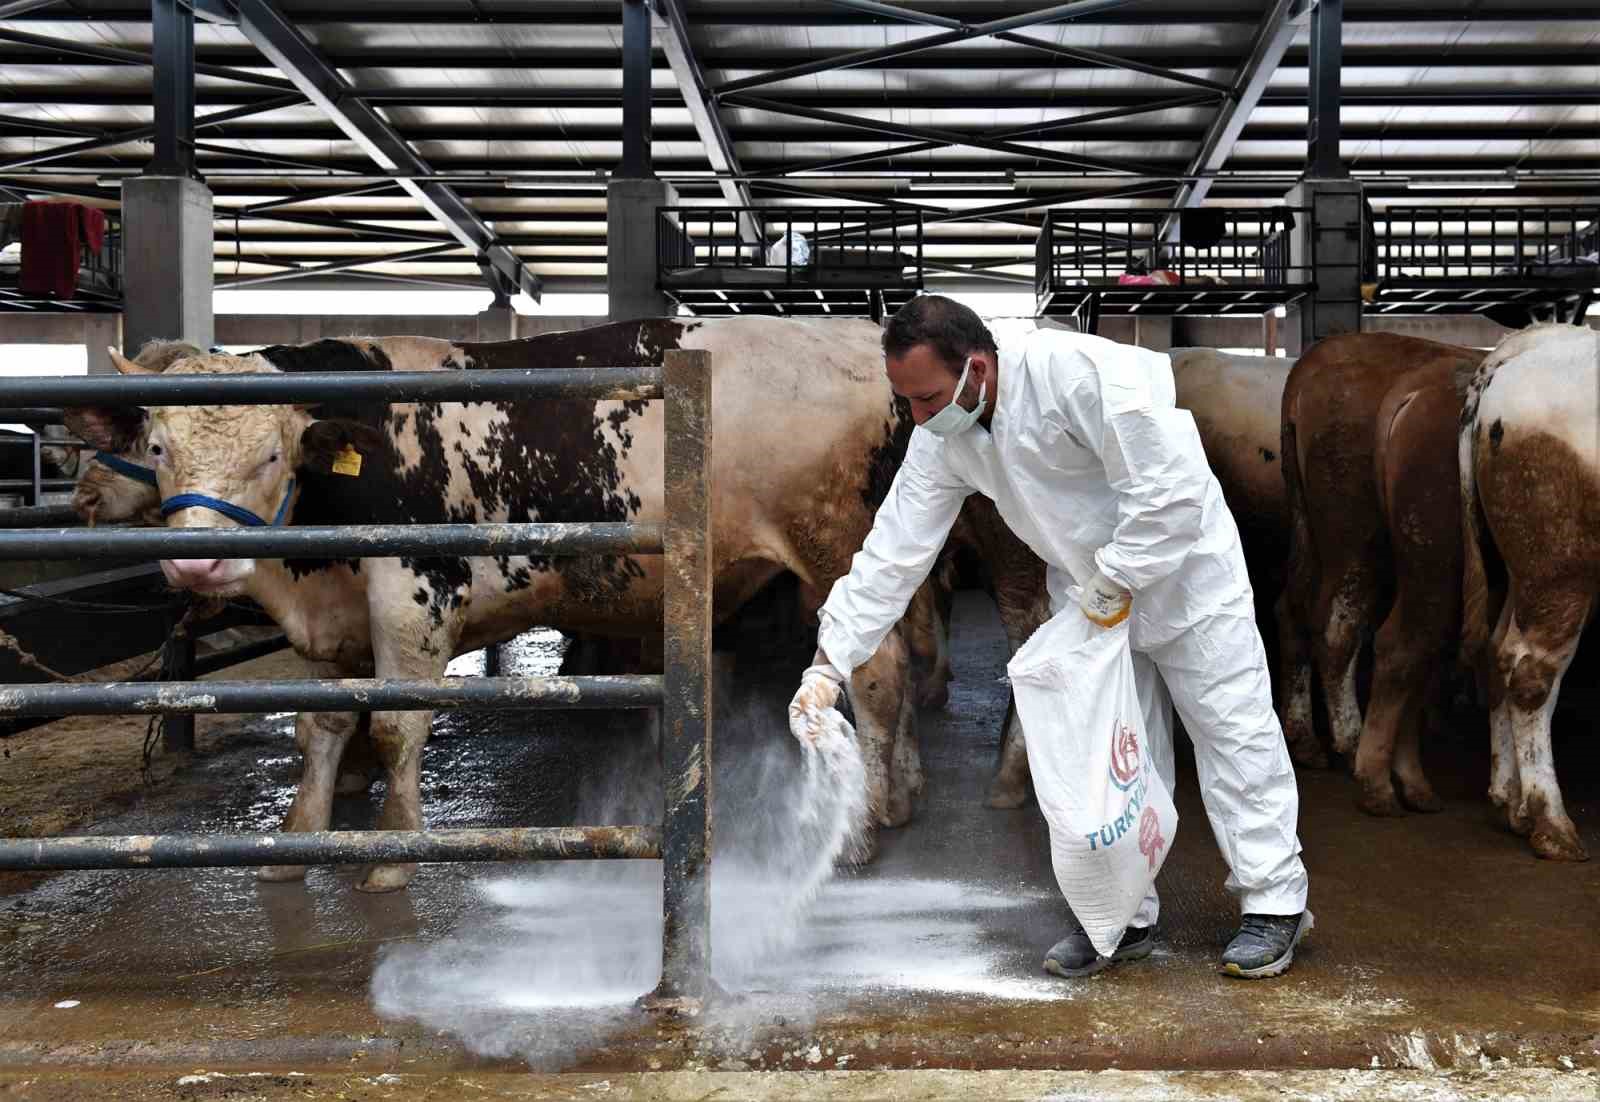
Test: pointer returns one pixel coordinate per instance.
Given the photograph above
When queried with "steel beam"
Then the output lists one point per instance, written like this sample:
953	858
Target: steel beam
1055	14
708	126
1271	42
636	69
293	54
318	196
172	89
1322	108
339	266
1111	61
111	141
116	56
948	137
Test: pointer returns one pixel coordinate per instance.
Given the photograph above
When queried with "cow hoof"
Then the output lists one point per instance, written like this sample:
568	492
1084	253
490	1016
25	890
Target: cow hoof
1380	802
1519	822
1007	797
1558	841
280	874
1305	750
862	851
934	697
1420	797
898	812
386	878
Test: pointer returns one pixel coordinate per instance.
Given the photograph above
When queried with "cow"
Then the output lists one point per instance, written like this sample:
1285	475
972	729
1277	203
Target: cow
1369	424
1529	462
794	492
1236	402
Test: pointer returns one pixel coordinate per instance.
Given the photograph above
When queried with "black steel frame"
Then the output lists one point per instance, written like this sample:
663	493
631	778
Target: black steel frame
1247	269
1430	259
863	260
682	692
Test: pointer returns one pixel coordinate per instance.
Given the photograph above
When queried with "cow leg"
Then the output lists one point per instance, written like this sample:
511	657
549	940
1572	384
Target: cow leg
1345	611
1533	661
1012	781
1294	690
322	737
1504	784
906	778
1415	791
877	689
360	765
928	637
1399	687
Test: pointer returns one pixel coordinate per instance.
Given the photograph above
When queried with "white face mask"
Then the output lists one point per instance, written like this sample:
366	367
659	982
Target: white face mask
952	419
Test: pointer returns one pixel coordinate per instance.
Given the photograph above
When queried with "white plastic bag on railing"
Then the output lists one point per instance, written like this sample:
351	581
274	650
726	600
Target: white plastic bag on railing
791	248
1094	771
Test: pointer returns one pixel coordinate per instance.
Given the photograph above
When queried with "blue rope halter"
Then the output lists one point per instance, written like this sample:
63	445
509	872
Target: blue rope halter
236	513
127	468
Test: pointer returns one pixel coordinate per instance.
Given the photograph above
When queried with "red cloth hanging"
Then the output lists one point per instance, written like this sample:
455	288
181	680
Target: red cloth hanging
94	227
50	235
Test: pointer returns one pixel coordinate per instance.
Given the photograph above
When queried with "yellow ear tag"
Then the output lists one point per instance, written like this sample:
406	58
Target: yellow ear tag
347	462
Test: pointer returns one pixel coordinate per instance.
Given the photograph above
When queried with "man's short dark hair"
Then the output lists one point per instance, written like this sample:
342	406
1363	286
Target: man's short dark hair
953	331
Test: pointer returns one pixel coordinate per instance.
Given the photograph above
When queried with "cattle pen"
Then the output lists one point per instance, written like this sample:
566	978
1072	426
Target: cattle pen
682	692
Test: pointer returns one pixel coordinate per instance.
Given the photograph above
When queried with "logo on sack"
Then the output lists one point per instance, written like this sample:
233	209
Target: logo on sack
1124	754
1150	841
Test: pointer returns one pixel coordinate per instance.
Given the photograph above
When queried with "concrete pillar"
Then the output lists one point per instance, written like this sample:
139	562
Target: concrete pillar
1154	333
167	258
498	323
631	248
1290	329
100	332
1326	249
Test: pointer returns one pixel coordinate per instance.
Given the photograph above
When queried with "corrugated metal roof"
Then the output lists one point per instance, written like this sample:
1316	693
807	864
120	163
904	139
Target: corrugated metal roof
497	88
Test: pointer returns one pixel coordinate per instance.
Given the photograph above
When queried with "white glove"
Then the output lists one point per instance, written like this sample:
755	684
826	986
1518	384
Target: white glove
1105	602
819	689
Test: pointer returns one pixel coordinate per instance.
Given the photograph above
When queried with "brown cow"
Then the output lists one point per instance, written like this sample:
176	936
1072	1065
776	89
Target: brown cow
1530	491
1368	421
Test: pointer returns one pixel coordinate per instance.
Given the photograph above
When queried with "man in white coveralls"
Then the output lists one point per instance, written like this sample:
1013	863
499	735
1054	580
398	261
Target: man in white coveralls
1078	443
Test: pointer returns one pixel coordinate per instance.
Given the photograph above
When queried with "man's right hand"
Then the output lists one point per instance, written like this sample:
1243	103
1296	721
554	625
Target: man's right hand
819	688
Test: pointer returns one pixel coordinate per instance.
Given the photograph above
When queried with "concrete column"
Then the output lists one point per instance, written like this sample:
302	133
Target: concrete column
101	331
167	258
1326	249
631	248
498	323
1154	333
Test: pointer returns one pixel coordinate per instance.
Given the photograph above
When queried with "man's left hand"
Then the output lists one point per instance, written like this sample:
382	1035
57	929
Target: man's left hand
1105	602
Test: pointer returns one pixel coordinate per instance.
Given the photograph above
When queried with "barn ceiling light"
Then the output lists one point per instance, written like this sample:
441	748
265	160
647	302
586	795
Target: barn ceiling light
1506	181
1003	182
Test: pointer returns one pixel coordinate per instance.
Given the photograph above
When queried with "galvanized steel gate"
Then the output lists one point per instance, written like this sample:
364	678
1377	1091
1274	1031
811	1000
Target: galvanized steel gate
683	693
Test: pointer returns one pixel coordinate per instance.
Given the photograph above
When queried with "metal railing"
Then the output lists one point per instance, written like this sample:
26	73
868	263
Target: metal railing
866	245
682	692
1486	244
1208	246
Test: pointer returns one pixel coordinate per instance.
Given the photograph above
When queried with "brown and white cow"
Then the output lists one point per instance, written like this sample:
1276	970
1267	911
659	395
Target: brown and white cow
1530	493
794	491
1369	421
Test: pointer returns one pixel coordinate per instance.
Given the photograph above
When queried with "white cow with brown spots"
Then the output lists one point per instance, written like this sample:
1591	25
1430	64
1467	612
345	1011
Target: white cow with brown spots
793	491
1530	492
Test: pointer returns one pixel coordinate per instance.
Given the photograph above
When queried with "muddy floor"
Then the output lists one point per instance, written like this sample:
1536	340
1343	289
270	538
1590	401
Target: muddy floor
1441	943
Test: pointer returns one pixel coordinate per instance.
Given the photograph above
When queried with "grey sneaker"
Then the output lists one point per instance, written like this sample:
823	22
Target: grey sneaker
1074	955
1264	945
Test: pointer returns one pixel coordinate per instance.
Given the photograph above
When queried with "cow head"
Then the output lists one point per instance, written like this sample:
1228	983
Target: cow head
224	466
115	480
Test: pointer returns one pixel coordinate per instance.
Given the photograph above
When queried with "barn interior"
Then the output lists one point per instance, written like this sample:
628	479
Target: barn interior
1246	175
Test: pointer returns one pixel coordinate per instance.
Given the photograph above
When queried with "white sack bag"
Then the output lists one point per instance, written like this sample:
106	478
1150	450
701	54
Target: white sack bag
791	248
1110	814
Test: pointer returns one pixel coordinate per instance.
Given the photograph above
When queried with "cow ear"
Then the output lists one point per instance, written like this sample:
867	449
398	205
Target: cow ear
340	447
126	366
108	428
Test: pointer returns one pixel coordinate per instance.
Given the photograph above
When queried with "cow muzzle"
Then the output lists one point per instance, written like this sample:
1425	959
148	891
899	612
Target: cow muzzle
210	576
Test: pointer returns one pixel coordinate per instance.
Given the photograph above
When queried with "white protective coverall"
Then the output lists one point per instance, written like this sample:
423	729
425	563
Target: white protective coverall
1090	464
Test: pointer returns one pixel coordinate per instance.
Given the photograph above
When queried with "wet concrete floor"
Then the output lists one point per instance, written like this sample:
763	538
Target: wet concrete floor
1441	942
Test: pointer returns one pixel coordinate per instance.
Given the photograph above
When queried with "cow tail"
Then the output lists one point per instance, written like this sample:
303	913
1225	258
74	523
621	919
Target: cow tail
1475	603
1301	547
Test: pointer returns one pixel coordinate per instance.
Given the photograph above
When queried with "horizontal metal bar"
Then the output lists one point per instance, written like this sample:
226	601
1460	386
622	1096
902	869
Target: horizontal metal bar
38	516
32	415
332	847
492	694
351	541
269	388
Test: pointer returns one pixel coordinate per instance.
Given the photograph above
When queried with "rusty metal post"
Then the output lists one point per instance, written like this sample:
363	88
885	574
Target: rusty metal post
177	731
686	706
